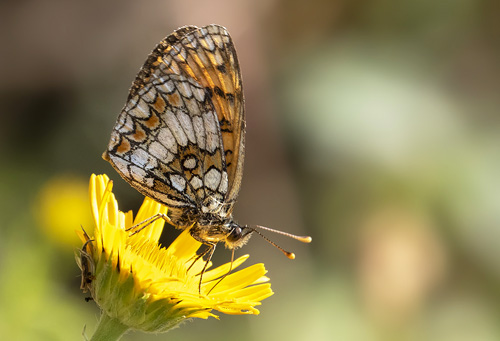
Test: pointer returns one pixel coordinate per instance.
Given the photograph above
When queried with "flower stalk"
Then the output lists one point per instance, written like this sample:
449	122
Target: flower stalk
109	329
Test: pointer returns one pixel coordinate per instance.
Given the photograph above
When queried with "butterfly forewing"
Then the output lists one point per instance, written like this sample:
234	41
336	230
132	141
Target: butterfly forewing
208	56
180	137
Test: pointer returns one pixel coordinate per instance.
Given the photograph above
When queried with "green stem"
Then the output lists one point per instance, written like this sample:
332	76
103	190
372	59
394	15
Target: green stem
108	329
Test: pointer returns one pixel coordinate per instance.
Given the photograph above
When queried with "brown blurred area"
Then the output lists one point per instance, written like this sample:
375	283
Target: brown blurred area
372	126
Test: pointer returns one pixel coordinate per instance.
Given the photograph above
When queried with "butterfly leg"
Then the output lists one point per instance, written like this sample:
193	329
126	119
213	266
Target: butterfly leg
227	273
145	223
210	251
196	257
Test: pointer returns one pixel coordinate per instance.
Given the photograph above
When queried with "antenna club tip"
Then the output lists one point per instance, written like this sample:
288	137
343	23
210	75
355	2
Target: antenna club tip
290	255
306	239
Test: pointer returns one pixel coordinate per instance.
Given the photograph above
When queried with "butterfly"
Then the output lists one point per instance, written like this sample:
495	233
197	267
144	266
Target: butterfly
180	138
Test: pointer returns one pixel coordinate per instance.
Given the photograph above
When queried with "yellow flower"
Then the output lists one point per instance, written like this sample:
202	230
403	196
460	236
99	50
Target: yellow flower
140	285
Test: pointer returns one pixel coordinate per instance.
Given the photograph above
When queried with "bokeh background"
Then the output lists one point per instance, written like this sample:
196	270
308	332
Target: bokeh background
372	126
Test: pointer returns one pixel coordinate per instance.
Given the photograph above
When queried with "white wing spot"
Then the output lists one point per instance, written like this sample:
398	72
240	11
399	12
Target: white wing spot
158	150
199	94
223	183
131	103
190	162
127	124
175	128
203	32
149	95
212	29
178	182
138	174
139	157
141	110
166	138
212	179
192	40
196	182
199	131
185	122
120	164
192	106
169	85
211	131
184	89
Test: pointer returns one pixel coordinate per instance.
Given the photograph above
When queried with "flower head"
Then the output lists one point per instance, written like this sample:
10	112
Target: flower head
148	287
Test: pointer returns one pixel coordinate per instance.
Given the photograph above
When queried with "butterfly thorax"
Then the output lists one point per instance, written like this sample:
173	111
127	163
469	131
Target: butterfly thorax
210	231
211	223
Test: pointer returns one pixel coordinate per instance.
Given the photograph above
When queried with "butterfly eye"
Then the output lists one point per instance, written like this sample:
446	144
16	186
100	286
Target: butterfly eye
235	234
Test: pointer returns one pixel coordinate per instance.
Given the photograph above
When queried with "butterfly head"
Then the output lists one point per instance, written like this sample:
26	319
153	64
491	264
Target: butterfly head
238	235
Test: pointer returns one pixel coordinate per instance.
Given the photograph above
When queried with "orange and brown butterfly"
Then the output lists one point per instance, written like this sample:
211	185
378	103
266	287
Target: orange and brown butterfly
180	139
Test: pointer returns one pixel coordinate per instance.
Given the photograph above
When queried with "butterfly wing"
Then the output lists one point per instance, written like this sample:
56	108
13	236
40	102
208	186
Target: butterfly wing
179	138
208	56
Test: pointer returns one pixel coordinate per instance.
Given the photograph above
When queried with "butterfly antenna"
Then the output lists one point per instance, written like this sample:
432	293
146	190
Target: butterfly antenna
303	239
289	255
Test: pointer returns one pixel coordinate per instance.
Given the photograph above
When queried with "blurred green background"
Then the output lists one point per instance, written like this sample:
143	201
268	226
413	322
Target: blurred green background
372	126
